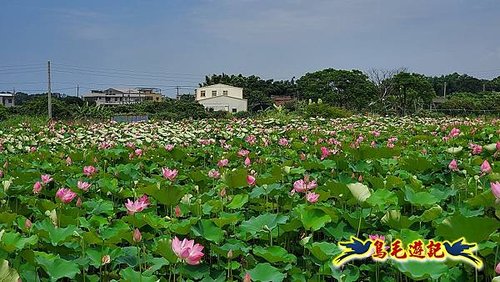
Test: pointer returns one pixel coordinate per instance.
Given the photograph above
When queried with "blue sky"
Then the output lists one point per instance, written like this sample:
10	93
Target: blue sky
96	44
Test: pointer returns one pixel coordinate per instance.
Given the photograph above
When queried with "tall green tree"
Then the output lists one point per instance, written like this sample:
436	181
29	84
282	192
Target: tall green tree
413	92
343	88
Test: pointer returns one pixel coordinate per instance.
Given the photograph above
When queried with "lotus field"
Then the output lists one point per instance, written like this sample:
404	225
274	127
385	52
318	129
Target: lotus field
246	199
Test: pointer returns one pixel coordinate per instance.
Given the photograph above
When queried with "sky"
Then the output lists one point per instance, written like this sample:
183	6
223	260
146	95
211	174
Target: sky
168	43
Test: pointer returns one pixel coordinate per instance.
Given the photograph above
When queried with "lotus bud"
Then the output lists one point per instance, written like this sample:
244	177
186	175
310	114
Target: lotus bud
247	277
105	259
79	202
27	223
137	236
178	212
223	192
230	254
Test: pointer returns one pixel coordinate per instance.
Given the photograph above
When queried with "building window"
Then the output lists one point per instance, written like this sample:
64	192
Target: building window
214	93
234	110
224	92
9	101
202	93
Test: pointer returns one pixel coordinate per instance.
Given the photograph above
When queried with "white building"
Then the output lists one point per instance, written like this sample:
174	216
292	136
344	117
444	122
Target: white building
221	97
116	96
7	99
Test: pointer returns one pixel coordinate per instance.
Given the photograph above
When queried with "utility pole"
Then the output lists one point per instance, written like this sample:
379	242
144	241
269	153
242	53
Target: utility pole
78	91
49	95
444	90
177	92
13	96
484	87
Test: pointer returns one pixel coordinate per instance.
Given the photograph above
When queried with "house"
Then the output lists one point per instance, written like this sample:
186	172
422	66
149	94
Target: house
119	96
7	99
282	100
221	97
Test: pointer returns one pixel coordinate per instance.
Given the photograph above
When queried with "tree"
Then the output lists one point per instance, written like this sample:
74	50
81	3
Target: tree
413	91
385	88
342	88
456	82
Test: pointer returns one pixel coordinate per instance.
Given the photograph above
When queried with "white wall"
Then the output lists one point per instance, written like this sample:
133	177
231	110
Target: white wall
5	101
223	103
219	88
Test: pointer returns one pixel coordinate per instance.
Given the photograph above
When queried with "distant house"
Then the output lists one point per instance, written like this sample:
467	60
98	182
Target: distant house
119	96
221	97
7	99
281	100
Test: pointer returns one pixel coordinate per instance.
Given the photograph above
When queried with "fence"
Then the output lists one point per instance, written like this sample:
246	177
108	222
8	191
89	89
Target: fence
130	118
466	111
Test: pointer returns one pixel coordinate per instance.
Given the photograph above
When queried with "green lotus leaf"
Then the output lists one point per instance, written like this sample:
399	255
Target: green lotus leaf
274	254
265	272
56	267
8	274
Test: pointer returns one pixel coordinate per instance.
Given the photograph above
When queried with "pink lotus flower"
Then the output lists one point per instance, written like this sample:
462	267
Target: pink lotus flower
138	152
247	161
373	144
130	145
454	132
376	133
213	174
136	235
497	268
138	205
187	251
32	149
485	167
243	153
374	237
453	166
250	180
46	178
65	195
1	173
251	139
37	187
248	278
83	185
223	162
495	188
312	197
283	142
303	185
89	170
498	146
169	147
169	174
69	161
324	153
476	149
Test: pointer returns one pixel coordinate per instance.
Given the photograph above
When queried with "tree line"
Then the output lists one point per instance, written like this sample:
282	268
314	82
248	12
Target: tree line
397	92
384	91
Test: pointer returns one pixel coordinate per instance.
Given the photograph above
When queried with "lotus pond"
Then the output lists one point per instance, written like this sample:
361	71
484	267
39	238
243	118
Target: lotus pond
252	200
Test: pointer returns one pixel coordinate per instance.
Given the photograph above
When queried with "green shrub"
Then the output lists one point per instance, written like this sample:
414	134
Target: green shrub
243	114
4	114
325	111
